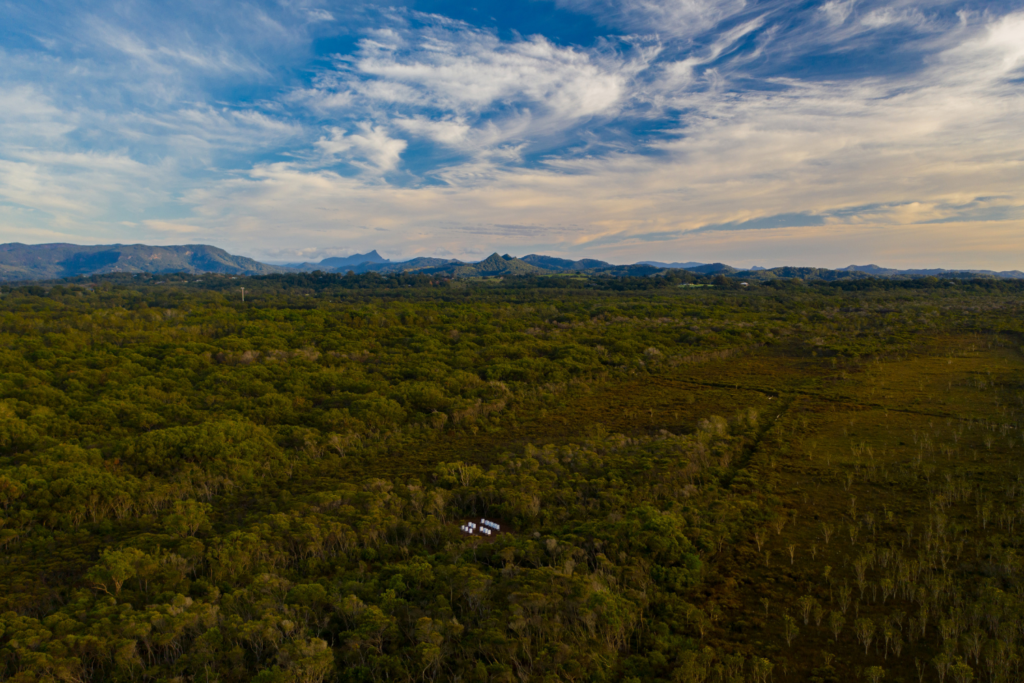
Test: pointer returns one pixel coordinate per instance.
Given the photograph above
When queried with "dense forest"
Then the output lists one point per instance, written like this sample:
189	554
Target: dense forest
695	479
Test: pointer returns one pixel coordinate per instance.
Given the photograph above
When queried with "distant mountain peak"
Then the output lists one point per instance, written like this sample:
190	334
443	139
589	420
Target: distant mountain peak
353	260
496	265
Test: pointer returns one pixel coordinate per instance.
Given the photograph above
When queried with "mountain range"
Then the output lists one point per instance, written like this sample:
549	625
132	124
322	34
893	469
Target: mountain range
56	261
335	263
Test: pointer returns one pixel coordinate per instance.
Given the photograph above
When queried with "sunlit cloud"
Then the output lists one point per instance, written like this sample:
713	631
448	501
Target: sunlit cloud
457	85
371	146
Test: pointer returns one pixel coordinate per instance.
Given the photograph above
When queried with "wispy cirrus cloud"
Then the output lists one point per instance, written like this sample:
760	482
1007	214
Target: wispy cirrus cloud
165	57
465	70
677	126
813	156
889	16
676	18
457	85
836	11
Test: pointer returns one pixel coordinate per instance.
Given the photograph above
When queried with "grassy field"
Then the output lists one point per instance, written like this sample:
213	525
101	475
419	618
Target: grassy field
876	467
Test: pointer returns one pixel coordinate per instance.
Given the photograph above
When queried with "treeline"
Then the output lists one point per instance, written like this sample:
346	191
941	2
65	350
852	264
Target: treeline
439	285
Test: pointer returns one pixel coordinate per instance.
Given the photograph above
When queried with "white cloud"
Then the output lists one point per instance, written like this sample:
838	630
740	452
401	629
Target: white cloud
319	15
454	84
676	18
28	116
371	148
77	186
678	75
997	52
470	71
836	11
172	227
199	133
167	56
447	131
889	16
876	156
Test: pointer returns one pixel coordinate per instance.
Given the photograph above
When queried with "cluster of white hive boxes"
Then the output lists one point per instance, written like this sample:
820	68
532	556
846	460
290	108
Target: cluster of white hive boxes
486	527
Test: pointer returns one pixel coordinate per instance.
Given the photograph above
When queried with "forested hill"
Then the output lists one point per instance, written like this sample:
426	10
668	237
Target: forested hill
55	261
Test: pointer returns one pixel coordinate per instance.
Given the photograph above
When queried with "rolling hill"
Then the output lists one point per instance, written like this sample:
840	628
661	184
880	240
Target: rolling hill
54	261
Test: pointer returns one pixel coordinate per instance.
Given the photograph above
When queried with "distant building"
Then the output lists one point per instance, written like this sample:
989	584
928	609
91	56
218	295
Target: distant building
486	527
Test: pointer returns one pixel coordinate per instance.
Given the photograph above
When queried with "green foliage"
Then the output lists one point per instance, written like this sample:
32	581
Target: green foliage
193	488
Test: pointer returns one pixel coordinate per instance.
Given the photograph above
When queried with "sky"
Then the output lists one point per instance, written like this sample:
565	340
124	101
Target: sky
750	132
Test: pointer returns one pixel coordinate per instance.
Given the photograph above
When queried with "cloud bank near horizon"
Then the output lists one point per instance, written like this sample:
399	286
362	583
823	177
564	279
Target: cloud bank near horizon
754	132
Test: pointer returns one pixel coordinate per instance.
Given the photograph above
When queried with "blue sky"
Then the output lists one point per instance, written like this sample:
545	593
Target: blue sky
750	132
